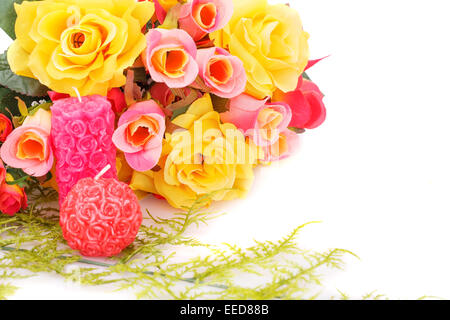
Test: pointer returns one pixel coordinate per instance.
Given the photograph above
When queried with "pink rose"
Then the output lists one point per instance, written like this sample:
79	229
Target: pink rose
170	57
306	102
5	127
12	198
259	120
28	147
222	72
287	143
200	17
140	133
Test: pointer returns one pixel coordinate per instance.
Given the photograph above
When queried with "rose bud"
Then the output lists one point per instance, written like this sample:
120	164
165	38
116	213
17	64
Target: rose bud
200	17
223	73
12	198
140	135
28	147
170	57
306	102
261	121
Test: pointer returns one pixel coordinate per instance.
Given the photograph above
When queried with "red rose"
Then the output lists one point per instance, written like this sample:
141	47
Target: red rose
2	173
308	109
12	198
5	127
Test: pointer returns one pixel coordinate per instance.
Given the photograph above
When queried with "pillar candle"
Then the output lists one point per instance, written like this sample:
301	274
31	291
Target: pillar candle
82	140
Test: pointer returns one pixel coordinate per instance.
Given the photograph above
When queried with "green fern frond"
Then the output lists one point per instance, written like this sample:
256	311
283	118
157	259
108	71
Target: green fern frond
32	242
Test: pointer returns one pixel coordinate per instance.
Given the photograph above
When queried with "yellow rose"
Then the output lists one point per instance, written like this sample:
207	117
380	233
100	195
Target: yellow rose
207	158
84	44
270	40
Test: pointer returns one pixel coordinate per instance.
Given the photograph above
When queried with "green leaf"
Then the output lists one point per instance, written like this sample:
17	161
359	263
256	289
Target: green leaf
8	16
23	85
171	21
297	130
179	112
305	76
8	101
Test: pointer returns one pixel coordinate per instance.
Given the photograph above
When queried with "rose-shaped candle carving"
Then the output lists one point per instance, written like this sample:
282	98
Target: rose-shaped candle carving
82	139
100	217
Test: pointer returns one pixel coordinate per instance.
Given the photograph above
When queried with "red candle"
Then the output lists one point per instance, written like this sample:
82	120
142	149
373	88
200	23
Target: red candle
100	217
82	130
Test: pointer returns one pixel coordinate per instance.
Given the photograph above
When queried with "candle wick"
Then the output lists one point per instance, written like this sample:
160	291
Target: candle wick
78	94
101	173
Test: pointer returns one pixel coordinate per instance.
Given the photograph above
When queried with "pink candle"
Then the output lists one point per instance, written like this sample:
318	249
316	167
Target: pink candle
82	140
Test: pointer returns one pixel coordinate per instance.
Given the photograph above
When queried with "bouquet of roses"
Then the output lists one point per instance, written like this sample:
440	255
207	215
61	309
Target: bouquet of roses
108	101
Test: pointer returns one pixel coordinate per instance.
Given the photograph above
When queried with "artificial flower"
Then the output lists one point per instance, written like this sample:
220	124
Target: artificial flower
258	119
270	41
166	4
200	17
288	142
2	172
223	73
162	7
170	57
306	102
5	127
207	157
162	93
81	44
117	99
124	171
139	135
28	147
12	197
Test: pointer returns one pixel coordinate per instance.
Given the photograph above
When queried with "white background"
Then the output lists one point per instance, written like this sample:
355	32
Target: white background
377	173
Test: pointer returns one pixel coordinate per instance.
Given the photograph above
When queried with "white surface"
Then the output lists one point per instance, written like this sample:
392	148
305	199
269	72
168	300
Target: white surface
377	173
